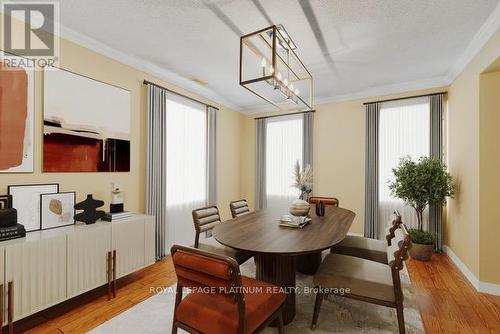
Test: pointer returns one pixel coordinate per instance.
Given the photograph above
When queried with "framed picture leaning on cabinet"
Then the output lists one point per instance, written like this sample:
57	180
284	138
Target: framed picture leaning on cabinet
26	200
57	210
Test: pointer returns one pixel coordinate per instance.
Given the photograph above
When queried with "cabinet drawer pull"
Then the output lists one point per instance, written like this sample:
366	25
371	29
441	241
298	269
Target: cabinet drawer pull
108	273
114	273
10	306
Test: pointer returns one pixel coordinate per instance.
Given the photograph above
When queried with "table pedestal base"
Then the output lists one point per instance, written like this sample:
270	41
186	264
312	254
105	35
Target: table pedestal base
279	270
309	263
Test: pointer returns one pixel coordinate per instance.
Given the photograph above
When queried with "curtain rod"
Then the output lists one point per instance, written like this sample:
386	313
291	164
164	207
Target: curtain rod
146	82
281	115
404	98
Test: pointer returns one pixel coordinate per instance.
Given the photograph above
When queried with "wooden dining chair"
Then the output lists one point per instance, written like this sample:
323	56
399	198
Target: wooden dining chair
367	281
221	300
205	219
326	200
367	248
239	208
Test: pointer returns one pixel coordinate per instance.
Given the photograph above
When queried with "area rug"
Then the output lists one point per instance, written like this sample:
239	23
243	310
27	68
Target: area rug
338	315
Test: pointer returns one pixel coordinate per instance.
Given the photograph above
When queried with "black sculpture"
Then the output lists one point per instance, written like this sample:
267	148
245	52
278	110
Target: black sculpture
89	215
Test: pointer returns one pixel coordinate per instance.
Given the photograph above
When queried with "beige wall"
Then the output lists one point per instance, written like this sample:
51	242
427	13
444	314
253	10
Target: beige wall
86	62
465	222
339	152
489	177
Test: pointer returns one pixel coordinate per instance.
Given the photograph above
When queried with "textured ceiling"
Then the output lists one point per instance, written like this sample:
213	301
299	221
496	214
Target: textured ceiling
350	46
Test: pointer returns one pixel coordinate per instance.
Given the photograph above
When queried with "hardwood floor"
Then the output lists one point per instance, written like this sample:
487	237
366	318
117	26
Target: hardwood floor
447	301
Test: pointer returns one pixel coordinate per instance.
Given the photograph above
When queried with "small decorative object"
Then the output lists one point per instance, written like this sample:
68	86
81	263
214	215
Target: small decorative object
299	208
303	180
90	213
116	198
57	209
8	217
320	208
5	202
420	184
26	200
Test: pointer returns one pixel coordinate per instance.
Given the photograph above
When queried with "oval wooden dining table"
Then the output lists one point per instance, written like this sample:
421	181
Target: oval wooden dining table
276	248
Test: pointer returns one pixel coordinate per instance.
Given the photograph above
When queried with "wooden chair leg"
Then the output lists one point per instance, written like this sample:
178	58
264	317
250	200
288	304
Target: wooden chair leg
317	306
401	319
279	323
174	328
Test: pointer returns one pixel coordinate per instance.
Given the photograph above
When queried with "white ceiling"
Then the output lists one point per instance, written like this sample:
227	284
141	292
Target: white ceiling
351	47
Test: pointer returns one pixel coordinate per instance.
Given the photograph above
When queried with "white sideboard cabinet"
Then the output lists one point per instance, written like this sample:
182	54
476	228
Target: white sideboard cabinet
51	266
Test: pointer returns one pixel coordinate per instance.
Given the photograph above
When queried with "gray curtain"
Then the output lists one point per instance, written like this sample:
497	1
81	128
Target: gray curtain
212	157
436	151
371	171
307	141
260	168
156	164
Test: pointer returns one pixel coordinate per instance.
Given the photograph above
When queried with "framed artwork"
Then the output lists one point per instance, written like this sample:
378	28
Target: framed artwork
86	124
5	202
17	116
26	200
57	210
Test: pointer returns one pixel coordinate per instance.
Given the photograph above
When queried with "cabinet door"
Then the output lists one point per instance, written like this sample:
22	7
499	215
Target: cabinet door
37	270
149	240
128	241
87	258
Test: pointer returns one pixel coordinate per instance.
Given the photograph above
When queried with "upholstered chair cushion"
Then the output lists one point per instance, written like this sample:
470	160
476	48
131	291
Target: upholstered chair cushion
366	248
363	277
206	219
239	208
211	313
213	246
195	271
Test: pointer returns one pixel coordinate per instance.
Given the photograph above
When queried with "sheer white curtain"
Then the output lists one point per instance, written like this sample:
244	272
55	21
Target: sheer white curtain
404	130
186	179
284	147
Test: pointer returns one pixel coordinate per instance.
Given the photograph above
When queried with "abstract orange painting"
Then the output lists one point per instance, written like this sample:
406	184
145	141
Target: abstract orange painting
16	117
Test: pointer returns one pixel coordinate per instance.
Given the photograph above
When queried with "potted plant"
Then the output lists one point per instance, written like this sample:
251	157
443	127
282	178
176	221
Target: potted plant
419	184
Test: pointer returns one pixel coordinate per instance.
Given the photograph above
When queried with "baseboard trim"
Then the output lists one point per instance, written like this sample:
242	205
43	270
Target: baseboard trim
484	287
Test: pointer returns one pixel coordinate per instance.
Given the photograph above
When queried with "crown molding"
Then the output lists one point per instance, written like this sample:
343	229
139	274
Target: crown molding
489	27
145	66
391	89
374	92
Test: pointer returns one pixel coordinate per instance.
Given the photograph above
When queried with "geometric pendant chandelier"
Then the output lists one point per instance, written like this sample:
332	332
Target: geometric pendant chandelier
271	69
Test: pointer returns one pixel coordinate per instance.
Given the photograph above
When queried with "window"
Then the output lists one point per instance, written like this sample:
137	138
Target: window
404	130
284	146
186	175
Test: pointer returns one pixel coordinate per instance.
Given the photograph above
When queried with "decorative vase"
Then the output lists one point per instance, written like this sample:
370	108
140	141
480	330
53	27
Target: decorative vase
299	208
421	252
